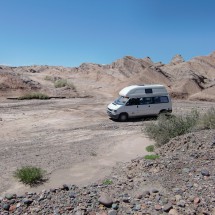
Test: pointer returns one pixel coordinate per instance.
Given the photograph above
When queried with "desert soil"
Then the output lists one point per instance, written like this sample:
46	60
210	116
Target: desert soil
72	139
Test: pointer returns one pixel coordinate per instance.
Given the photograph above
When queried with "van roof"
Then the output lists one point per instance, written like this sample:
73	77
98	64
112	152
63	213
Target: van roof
140	89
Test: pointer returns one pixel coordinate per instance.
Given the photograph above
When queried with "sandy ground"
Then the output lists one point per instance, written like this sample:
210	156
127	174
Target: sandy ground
72	139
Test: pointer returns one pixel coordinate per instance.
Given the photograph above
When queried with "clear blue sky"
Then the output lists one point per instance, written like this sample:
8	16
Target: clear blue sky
70	32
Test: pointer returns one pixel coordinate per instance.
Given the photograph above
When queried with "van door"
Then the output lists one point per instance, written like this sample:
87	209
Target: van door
132	107
146	106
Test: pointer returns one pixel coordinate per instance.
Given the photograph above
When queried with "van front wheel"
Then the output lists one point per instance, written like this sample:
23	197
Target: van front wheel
123	117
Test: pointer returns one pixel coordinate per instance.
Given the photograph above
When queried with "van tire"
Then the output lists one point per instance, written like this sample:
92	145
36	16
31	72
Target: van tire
123	117
164	112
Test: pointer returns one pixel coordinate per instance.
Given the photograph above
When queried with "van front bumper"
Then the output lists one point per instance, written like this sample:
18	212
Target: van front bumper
113	116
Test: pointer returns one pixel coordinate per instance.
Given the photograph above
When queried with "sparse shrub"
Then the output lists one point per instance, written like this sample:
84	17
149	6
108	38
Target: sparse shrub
150	148
107	182
168	127
71	86
151	157
207	120
64	83
35	95
93	153
30	175
49	78
60	83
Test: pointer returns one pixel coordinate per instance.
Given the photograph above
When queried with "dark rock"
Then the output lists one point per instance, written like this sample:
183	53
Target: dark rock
6	207
9	196
27	201
205	172
65	187
72	195
154	190
126	199
115	206
213	144
12	201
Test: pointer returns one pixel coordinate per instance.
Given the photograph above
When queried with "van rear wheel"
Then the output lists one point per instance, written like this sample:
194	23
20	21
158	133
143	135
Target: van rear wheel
165	112
123	117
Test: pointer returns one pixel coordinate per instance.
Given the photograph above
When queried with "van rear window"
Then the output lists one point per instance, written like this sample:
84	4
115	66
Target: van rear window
148	90
161	99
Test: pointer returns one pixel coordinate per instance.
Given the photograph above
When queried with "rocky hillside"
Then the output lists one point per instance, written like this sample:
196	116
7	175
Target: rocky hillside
180	182
194	79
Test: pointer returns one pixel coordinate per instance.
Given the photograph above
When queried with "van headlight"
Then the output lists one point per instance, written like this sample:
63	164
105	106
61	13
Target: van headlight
115	111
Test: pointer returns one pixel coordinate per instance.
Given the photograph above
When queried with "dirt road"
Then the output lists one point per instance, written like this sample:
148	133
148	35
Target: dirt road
72	139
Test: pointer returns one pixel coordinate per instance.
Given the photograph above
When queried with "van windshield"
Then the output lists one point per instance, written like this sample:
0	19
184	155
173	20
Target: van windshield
121	100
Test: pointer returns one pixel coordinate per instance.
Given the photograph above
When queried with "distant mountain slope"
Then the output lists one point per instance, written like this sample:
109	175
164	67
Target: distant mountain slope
194	79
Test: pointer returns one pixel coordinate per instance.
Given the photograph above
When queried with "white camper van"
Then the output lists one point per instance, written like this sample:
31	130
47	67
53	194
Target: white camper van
140	100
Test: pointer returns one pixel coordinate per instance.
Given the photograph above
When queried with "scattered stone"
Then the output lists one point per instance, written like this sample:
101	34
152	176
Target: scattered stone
105	199
18	205
146	193
178	197
72	195
139	196
112	212
137	207
173	212
167	207
186	170
12	208
181	203
158	207
180	191
196	200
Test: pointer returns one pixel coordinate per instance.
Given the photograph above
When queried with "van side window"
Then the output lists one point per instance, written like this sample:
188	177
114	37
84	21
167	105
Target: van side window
133	101
164	99
160	99
146	100
148	90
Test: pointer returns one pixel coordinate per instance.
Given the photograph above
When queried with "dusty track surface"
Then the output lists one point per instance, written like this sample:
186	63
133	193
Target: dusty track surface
72	139
64	134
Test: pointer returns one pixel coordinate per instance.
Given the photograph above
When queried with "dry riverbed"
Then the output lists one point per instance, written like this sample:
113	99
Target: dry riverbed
72	139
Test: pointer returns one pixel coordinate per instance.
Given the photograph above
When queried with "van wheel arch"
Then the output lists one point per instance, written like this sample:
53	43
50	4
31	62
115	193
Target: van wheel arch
123	117
163	111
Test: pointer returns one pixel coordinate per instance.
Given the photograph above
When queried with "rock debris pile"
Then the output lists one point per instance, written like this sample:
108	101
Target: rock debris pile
181	181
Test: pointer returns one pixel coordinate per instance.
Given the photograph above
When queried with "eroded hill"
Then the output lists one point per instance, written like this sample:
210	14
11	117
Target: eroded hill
194	79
